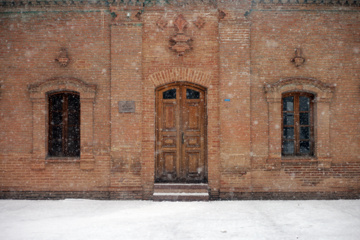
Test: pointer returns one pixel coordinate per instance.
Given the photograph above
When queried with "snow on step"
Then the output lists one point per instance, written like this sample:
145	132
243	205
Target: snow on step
180	186
180	192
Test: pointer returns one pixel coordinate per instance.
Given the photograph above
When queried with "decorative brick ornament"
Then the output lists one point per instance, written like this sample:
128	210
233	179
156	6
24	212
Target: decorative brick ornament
138	15
132	14
180	23
180	42
63	58
199	23
298	60
161	23
222	14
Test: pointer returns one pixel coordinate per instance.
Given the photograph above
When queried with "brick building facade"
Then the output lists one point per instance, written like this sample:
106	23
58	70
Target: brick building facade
256	99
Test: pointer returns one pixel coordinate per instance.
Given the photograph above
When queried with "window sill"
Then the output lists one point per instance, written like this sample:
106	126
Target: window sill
84	163
302	158
62	159
299	160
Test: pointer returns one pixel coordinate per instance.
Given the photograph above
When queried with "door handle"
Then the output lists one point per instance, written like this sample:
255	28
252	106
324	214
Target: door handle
182	138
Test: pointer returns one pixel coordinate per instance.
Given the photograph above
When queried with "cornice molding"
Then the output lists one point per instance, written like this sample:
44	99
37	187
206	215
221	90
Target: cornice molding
106	3
308	2
174	3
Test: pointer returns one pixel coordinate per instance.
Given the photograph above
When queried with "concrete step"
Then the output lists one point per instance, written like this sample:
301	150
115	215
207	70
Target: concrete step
180	192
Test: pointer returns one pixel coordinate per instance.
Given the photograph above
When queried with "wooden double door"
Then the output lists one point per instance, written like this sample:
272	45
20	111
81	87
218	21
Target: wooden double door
181	133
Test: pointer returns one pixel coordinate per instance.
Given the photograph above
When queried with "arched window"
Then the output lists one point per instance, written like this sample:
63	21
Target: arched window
297	124
64	124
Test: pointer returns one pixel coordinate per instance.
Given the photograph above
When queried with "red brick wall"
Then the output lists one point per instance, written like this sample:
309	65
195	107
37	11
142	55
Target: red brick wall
30	43
241	47
329	41
126	85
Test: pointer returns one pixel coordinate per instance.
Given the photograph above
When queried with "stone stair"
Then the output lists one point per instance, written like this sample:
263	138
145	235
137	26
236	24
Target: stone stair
181	192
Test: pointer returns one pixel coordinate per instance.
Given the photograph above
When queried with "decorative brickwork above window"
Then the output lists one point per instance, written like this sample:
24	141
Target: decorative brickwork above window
63	58
298	60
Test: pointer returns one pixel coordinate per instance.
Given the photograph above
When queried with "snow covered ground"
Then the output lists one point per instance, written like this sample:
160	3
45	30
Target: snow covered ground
88	219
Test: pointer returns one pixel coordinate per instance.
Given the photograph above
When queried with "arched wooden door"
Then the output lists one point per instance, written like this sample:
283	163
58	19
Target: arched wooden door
181	133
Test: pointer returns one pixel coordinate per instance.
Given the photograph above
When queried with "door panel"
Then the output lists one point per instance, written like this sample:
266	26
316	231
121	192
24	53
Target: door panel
192	142
169	142
169	164
192	115
169	120
193	162
181	134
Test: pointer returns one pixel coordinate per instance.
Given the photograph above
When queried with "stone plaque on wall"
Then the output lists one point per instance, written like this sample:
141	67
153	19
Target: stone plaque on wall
126	106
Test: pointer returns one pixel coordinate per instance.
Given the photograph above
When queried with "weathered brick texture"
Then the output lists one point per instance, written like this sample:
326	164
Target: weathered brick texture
241	51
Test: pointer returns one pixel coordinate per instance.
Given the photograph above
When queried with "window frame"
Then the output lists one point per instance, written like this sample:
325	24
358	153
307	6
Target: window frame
323	93
65	122
38	94
296	125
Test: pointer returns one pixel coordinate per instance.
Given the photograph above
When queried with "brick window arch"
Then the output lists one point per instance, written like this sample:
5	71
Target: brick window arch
322	96
40	95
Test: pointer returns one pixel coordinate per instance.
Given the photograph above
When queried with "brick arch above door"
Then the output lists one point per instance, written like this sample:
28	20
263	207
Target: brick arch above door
180	74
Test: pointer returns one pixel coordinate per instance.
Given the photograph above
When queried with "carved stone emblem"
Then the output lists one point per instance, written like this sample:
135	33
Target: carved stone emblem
298	60
63	58
180	42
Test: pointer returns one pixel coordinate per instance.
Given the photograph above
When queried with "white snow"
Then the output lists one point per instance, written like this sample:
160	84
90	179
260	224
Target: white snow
89	219
180	194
